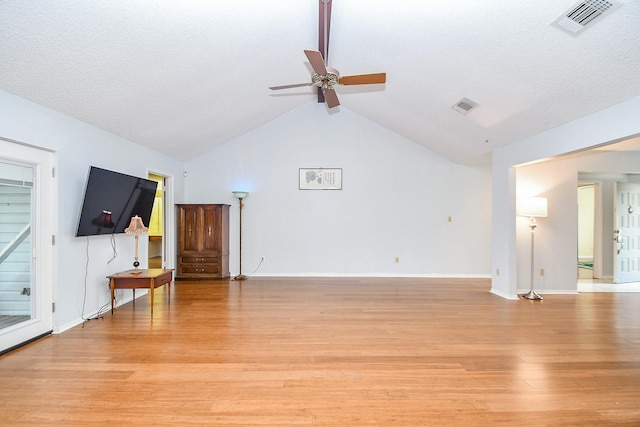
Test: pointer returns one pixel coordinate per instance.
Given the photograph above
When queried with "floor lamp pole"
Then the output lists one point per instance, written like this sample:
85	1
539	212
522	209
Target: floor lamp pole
240	195
532	294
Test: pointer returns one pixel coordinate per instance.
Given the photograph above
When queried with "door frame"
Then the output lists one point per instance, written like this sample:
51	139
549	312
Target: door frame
168	216
44	208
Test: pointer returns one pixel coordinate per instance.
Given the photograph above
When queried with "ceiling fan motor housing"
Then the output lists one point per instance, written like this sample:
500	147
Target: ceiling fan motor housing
329	80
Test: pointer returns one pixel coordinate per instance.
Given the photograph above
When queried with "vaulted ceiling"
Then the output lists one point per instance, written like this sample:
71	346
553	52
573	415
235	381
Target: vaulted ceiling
184	76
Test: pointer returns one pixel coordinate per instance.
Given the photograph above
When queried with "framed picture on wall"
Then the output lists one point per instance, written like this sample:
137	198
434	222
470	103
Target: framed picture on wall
320	179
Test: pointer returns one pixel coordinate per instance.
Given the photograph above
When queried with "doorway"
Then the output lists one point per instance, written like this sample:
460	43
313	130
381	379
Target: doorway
597	221
156	227
160	254
586	230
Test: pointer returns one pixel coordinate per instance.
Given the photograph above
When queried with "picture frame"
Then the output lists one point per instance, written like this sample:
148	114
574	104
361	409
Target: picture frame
320	179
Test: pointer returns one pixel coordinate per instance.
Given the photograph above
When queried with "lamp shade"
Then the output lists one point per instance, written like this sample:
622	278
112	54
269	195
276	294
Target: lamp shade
532	206
241	194
136	226
103	220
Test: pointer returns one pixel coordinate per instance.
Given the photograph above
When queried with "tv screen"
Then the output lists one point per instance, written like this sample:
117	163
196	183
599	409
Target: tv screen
111	199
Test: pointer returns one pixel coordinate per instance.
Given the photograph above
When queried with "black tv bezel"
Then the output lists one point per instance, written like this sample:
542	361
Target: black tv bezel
104	187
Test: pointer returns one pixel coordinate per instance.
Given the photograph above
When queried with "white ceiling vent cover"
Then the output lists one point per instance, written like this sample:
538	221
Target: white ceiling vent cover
465	105
584	14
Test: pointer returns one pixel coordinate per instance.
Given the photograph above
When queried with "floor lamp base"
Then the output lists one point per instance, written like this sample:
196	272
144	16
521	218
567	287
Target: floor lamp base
532	295
240	277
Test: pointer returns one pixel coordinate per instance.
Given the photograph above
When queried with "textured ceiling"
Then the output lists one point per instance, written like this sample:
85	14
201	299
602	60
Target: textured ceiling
184	76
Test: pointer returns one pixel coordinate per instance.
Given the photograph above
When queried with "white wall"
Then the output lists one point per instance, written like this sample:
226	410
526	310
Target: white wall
557	182
77	146
395	202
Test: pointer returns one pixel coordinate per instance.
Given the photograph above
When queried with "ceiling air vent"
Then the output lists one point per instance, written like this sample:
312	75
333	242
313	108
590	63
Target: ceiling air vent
465	105
584	14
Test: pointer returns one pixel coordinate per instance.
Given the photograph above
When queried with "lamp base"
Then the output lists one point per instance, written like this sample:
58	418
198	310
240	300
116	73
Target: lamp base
240	277
532	295
136	264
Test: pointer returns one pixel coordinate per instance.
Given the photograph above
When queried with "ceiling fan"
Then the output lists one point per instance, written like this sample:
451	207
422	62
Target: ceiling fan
326	78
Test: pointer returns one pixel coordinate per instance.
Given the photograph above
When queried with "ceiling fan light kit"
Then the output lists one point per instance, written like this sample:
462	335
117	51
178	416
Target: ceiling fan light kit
330	79
325	78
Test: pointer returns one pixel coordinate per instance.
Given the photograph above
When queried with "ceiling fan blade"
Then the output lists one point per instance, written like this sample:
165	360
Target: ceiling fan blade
290	86
363	79
331	97
315	58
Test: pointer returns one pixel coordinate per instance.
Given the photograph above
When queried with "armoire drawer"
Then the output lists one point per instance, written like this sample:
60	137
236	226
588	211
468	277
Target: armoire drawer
199	260
199	269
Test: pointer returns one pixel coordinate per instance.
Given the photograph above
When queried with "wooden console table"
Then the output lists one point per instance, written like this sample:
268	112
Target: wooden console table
144	278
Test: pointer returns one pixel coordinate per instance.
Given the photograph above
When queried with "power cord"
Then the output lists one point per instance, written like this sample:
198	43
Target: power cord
86	273
103	309
257	268
113	246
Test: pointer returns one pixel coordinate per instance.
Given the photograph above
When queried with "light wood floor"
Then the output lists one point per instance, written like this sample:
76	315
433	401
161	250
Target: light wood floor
336	352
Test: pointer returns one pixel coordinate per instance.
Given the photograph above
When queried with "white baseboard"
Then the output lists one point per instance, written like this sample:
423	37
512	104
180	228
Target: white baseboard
374	275
504	295
79	321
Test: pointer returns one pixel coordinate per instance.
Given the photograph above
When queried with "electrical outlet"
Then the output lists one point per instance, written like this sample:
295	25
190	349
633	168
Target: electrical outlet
497	271
262	260
542	271
397	260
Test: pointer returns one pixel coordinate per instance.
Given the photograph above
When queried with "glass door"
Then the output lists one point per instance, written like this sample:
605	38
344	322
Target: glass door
16	183
25	244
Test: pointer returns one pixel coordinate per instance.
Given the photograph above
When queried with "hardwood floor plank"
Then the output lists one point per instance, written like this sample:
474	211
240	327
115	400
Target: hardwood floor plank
336	352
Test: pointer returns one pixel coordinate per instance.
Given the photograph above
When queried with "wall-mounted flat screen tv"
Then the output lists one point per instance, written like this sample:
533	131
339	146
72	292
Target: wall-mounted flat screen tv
111	199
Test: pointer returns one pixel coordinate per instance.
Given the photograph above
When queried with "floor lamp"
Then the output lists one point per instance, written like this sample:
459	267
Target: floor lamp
533	207
240	195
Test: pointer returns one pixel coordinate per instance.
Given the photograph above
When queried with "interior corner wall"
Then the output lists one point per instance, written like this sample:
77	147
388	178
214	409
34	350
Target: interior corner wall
556	236
399	201
612	124
504	280
80	285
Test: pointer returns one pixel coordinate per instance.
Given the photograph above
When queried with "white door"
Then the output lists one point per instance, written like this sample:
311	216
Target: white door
27	194
626	234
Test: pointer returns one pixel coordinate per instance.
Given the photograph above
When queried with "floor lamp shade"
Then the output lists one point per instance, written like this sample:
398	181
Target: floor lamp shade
532	207
240	194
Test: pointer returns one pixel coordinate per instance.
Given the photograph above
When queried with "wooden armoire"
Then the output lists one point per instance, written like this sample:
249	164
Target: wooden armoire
203	241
